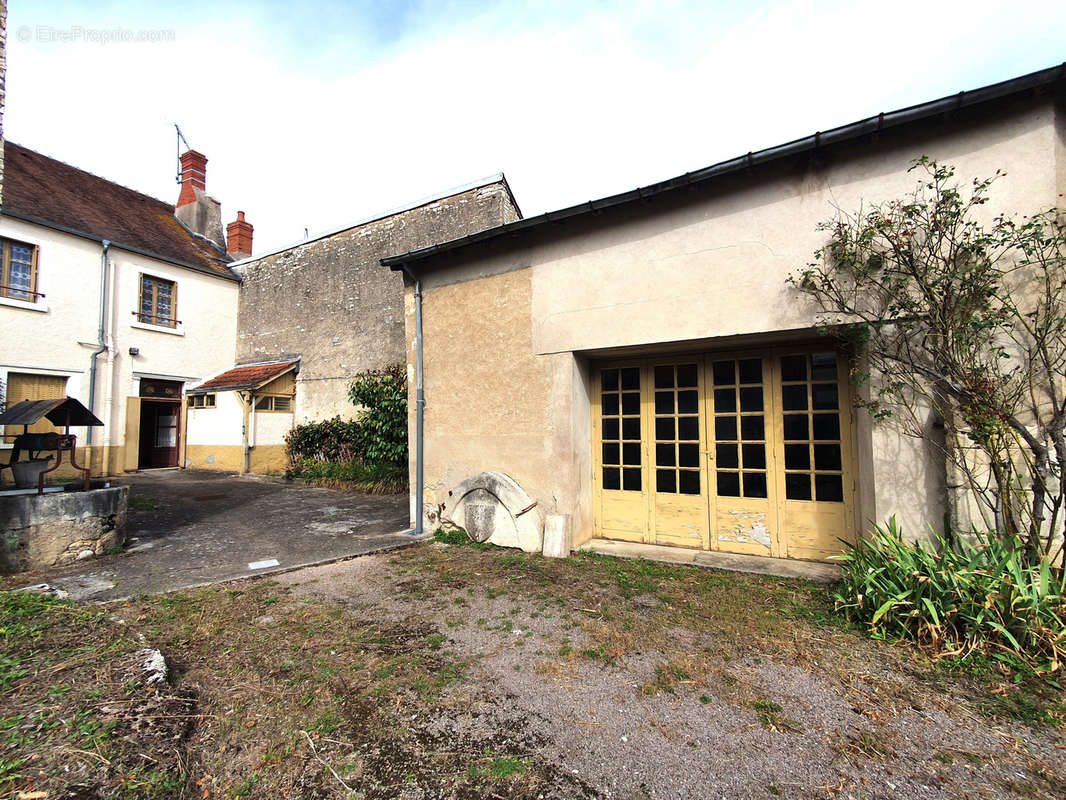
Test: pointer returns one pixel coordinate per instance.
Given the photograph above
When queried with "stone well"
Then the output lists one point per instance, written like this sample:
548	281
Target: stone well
46	530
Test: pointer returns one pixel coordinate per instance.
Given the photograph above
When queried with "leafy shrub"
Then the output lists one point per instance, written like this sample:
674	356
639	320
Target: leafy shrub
383	420
976	596
355	475
378	435
335	440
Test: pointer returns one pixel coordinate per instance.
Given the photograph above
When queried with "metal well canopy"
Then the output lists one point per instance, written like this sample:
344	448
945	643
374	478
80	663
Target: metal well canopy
60	411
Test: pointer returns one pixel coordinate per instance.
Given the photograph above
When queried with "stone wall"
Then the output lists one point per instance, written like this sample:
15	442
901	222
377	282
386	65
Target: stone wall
40	531
331	302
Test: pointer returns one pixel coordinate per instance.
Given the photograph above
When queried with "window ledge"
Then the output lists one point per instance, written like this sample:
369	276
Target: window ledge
8	301
179	331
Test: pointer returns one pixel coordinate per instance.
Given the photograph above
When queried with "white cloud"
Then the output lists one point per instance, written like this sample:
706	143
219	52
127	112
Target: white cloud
572	103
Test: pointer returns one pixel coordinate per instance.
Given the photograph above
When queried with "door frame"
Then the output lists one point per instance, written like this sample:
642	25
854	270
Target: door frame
770	353
154	401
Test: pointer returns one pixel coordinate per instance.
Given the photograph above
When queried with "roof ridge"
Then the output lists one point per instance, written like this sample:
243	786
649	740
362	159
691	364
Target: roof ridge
488	180
43	190
122	186
812	142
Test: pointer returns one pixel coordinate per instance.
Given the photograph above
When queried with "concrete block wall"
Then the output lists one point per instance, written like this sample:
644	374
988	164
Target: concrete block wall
331	302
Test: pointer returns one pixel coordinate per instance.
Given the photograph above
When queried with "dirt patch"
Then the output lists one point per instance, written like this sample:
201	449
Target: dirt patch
463	672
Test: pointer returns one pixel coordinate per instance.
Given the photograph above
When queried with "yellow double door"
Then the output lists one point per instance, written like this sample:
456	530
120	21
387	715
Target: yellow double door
748	452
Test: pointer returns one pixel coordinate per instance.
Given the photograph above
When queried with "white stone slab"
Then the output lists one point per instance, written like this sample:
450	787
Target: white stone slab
270	562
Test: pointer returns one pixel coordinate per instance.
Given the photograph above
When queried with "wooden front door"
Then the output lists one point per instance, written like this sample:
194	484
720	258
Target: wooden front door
748	452
159	433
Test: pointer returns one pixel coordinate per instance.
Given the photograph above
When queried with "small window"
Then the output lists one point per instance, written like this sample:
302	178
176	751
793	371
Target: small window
18	277
200	401
158	302
273	402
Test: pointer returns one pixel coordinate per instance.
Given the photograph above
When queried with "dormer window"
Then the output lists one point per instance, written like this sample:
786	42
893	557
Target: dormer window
18	280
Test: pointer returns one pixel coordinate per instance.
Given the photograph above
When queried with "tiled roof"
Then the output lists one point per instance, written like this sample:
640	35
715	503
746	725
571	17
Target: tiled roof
49	191
250	377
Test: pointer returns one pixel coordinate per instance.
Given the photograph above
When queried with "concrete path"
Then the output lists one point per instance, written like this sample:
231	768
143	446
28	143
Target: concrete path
783	567
208	527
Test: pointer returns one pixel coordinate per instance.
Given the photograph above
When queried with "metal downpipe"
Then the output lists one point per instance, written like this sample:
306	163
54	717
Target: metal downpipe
101	342
420	412
420	404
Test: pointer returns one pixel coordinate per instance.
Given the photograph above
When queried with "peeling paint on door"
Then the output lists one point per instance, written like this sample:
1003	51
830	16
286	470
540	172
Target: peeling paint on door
750	527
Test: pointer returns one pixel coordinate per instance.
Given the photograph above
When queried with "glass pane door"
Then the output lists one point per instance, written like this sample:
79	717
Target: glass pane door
679	513
621	502
814	452
743	518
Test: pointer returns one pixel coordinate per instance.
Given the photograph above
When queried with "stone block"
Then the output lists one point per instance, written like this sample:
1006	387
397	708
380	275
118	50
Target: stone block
41	531
556	536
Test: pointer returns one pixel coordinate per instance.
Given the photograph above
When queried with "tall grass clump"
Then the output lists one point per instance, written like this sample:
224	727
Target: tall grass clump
354	476
973	595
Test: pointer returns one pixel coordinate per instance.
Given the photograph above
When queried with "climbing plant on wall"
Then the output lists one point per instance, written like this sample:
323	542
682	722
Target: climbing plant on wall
959	316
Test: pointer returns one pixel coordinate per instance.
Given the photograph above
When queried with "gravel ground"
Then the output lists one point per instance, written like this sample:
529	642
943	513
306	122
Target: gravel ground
766	724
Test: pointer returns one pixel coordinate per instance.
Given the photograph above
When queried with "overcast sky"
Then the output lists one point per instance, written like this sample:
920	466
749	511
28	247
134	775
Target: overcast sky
313	118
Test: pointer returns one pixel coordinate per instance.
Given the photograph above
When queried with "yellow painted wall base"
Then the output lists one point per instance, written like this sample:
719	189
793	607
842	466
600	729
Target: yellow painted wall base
269	458
222	457
230	458
101	461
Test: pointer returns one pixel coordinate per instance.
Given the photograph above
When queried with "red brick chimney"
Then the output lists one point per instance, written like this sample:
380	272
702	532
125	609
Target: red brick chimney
239	237
193	176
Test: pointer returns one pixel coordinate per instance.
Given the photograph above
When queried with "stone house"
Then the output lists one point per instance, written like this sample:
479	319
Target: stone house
637	369
324	310
112	297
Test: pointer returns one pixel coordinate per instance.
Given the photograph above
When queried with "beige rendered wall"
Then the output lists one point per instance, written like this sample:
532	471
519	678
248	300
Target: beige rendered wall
494	405
1060	151
506	332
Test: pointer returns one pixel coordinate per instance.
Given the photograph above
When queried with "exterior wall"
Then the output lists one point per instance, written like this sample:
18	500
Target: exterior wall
507	328
57	335
214	435
215	440
3	89
1060	150
330	301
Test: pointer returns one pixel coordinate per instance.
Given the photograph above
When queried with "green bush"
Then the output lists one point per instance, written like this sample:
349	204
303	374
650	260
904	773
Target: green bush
383	420
377	436
335	440
355	475
973	596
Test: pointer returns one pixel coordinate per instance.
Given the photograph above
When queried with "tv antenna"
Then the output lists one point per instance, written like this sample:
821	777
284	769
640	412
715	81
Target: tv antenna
181	138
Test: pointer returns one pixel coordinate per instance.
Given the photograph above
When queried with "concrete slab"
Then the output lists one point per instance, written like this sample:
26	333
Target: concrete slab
190	528
782	567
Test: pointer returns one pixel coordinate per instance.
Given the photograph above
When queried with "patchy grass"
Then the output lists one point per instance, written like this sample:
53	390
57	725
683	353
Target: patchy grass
277	695
268	695
629	606
138	502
